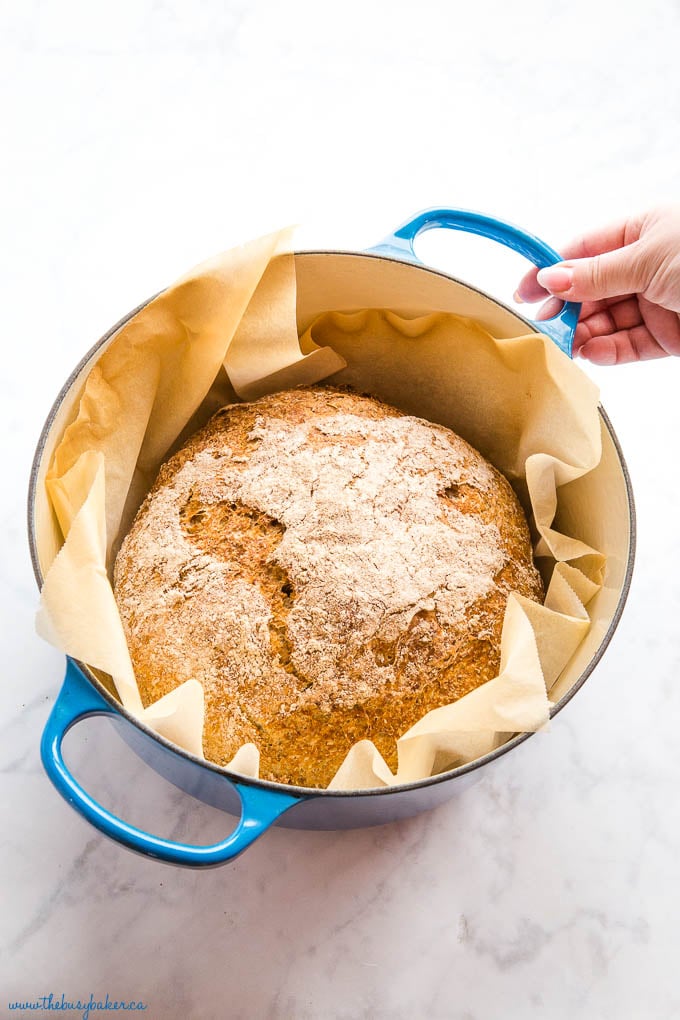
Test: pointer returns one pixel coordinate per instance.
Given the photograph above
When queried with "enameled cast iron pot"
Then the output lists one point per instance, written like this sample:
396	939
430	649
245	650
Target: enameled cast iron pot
388	276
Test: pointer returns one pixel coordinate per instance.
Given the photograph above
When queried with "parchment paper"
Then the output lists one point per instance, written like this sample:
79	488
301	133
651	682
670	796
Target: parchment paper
228	330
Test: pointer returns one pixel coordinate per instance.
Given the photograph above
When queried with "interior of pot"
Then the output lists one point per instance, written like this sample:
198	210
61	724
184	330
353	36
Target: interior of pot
345	281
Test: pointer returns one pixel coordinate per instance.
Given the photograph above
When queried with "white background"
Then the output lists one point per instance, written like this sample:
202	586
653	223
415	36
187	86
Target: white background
137	138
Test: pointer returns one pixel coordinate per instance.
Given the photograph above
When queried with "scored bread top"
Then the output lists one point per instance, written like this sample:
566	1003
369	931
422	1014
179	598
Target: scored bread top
328	568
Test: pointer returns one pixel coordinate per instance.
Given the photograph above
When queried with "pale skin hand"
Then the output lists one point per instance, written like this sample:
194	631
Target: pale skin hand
628	277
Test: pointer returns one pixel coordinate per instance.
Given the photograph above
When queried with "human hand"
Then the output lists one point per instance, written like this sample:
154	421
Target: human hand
628	277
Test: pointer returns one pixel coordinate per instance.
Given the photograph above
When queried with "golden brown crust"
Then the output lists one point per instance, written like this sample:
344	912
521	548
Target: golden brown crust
329	568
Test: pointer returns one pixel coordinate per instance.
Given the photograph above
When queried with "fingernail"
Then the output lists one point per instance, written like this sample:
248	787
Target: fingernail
517	299
556	279
598	353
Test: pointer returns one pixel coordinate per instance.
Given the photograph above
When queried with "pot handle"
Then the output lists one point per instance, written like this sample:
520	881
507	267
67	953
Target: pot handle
560	329
77	700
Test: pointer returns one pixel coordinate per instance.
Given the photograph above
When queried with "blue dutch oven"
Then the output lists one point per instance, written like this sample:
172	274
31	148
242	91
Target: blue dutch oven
390	276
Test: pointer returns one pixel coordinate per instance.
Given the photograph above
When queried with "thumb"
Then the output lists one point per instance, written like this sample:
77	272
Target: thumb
608	275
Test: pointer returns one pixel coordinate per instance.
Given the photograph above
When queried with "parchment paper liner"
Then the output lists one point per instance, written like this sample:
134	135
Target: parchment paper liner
227	330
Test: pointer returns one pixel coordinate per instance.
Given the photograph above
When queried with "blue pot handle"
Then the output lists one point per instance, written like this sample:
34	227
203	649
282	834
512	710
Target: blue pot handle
77	700
400	245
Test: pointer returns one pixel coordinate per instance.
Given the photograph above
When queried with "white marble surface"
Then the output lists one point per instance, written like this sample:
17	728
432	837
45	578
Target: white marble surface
139	137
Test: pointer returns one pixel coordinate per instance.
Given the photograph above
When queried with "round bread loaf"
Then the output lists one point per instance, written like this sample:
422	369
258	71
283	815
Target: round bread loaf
329	568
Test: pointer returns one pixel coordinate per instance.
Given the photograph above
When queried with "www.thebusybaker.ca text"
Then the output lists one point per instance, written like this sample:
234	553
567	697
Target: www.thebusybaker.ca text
84	1007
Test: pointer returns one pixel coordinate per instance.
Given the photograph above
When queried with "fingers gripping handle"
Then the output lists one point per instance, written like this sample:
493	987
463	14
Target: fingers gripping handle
560	329
77	700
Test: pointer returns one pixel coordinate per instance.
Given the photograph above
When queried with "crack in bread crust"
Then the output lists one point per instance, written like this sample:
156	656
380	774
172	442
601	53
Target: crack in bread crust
329	568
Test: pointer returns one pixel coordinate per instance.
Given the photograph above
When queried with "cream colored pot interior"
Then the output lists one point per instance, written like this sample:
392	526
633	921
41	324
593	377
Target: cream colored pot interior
344	282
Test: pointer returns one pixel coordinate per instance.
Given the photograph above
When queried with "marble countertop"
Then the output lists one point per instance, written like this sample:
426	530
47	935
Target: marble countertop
141	137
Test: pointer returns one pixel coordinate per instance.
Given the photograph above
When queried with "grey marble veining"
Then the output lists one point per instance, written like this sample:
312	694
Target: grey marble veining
140	137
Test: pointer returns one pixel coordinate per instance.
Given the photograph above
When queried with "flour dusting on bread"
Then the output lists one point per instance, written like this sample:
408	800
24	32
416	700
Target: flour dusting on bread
329	568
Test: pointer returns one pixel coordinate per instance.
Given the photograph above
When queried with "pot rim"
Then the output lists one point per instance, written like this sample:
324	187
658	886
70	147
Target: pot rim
304	791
